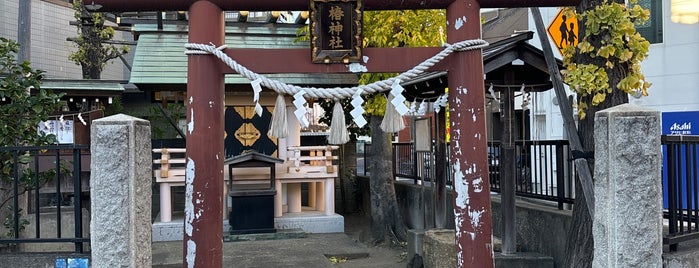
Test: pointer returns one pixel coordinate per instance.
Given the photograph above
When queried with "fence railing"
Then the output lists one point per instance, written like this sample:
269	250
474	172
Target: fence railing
543	170
46	180
363	160
681	188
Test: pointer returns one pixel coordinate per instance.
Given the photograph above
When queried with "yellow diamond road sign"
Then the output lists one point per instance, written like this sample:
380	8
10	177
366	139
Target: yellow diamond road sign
563	30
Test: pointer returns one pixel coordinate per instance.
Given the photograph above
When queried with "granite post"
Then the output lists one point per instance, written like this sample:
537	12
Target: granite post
627	225
120	188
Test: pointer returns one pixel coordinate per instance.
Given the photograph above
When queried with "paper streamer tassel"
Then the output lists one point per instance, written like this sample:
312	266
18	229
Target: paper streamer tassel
82	120
398	99
300	113
422	109
279	127
358	110
392	120
338	129
413	108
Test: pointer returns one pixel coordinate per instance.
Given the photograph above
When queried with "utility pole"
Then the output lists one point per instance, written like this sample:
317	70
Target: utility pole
24	29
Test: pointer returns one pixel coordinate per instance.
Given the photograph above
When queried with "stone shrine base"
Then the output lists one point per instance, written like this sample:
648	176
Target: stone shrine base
309	221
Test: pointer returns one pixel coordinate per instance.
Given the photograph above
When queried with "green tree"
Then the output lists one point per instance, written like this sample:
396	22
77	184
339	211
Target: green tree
396	28
25	104
94	49
603	69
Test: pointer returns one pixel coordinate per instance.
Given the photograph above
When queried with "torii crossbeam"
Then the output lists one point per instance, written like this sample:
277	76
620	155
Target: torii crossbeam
203	240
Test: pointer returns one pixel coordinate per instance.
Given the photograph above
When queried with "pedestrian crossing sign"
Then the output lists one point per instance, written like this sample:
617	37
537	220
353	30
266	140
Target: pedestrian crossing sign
563	30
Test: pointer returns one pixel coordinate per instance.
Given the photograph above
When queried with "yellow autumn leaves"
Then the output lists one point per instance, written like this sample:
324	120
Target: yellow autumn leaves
611	38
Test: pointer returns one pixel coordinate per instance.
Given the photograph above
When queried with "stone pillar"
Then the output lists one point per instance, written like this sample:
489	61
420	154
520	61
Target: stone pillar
120	188
627	226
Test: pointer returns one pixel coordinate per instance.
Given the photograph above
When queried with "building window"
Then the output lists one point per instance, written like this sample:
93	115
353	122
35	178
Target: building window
652	30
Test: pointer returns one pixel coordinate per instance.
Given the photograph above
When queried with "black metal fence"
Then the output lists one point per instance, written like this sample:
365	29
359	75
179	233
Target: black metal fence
681	188
362	160
544	170
46	180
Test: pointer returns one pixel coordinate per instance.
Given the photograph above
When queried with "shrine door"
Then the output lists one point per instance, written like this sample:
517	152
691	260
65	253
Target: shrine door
245	130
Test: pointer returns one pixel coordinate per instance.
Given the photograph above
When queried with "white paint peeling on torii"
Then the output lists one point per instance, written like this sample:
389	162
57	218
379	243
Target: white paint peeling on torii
460	21
460	256
190	125
475	218
458	222
457	148
191	253
478	185
460	187
467	181
189	192
462	90
189	211
357	68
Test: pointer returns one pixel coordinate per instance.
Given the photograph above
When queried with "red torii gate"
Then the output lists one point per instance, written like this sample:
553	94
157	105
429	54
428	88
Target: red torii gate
203	239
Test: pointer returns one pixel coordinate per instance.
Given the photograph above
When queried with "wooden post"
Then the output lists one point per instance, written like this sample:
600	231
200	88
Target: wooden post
507	168
203	237
581	167
440	208
467	162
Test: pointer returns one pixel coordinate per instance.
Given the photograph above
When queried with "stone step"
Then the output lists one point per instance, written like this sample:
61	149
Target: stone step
307	221
439	251
280	234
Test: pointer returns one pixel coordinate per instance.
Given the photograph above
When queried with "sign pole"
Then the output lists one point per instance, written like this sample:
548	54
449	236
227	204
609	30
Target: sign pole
581	167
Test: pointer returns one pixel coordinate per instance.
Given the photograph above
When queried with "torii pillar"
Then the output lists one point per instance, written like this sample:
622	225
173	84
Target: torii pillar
203	239
205	95
467	161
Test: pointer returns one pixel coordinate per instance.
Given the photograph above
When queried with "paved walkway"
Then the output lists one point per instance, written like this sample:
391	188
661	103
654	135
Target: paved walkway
314	250
310	252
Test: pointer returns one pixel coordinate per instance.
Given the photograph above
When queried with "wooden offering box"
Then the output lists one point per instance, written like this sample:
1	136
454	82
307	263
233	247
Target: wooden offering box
252	192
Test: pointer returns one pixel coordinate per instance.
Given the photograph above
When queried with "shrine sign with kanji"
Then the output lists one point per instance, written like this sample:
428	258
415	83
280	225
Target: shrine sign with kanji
336	31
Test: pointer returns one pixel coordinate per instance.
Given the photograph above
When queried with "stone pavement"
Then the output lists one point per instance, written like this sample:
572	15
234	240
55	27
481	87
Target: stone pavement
289	249
295	250
315	250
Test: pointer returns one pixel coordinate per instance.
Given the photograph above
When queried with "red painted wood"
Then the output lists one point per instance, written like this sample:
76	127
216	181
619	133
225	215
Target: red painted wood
468	162
269	5
299	60
203	239
468	145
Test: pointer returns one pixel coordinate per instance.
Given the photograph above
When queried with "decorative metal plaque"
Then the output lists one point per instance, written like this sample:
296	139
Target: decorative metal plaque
336	31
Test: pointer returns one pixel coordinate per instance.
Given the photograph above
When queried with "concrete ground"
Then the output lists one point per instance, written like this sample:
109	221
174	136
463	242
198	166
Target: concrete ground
314	250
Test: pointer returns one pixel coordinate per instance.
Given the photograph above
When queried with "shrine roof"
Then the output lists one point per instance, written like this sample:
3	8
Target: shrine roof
160	61
86	87
498	58
252	156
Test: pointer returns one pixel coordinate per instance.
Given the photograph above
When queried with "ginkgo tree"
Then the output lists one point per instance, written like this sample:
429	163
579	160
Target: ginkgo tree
603	69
